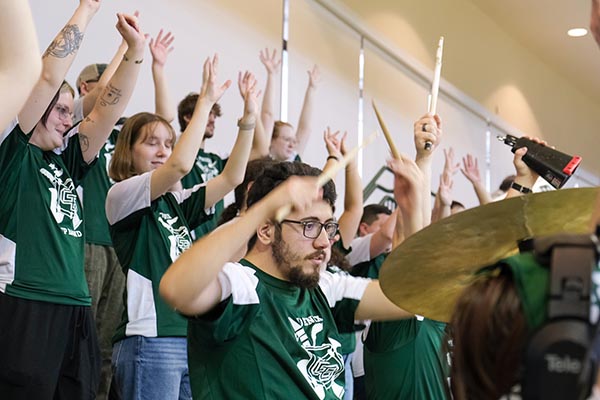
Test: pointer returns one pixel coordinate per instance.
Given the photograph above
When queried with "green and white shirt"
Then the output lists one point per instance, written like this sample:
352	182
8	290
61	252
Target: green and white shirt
206	167
94	188
148	236
41	223
270	339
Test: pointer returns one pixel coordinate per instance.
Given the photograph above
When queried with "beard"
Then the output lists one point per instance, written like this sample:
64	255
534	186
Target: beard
294	273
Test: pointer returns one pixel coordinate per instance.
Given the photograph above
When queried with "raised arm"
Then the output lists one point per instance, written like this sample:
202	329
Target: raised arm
427	129
109	107
20	63
190	285
233	173
353	199
526	177
408	192
306	114
470	170
160	48
181	160
267	112
443	196
56	61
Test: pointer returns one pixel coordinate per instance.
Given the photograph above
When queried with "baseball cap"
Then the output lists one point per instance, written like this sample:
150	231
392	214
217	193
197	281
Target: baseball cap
92	72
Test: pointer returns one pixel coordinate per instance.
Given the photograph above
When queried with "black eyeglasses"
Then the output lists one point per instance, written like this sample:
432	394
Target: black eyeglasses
312	229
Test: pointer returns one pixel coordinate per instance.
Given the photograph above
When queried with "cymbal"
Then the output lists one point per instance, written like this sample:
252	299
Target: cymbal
428	271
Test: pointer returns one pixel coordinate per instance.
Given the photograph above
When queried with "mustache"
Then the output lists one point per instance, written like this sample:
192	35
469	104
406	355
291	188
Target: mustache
316	254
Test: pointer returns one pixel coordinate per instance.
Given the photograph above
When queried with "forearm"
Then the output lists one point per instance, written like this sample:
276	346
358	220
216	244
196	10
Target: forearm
305	121
261	140
56	61
353	205
89	100
20	63
163	104
424	164
267	112
375	306
482	195
111	104
185	284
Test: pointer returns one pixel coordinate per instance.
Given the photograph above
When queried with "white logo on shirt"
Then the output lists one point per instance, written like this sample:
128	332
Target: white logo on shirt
324	363
208	168
109	148
179	238
63	201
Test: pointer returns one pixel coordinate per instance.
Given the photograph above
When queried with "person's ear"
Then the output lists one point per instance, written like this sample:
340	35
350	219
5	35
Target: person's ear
363	229
266	233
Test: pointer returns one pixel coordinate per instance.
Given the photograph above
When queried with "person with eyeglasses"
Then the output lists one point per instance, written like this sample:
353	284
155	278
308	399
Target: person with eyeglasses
50	350
268	326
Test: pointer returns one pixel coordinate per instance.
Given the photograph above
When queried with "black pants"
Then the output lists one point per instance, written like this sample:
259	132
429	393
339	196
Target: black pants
48	351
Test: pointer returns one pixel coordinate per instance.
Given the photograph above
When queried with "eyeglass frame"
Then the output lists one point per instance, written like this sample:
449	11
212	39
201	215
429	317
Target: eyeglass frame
64	113
313	221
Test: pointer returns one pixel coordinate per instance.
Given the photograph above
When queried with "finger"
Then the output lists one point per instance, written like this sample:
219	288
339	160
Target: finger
159	36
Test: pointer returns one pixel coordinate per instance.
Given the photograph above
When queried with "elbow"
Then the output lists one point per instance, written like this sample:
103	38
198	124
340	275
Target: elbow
168	291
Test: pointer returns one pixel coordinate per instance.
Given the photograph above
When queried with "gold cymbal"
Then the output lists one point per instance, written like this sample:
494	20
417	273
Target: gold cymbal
427	272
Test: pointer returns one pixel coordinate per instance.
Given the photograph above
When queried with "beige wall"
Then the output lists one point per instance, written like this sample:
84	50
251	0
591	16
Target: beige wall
487	64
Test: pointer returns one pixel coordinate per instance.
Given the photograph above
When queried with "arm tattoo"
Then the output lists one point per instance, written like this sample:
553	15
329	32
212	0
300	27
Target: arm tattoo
67	42
110	96
84	142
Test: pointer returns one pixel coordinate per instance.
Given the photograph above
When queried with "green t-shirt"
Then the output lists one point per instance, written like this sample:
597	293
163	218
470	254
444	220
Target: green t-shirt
404	360
41	223
206	167
148	236
270	339
95	187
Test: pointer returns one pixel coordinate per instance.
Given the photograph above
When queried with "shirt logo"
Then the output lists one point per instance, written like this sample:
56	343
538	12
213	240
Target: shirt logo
63	201
179	236
324	363
109	149
208	167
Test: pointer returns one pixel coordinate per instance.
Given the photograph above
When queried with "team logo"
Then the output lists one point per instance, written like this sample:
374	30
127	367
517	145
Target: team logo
63	201
208	168
324	363
179	236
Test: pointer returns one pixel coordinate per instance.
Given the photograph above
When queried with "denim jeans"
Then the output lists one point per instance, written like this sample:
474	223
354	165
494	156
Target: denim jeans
349	394
152	368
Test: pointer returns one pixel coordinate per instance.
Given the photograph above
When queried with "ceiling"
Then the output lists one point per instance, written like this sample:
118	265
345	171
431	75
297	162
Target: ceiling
541	26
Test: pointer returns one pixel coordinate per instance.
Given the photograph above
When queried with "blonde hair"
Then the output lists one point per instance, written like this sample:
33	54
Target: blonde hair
121	164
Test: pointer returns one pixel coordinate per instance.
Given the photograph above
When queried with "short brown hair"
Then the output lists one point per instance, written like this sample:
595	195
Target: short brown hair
121	164
277	125
186	107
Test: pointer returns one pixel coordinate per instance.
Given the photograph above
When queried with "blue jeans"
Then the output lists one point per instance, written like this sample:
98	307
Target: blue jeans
151	368
349	394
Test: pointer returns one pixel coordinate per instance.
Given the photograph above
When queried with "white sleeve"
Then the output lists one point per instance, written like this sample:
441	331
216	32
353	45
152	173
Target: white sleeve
360	250
239	282
8	129
127	197
337	286
78	109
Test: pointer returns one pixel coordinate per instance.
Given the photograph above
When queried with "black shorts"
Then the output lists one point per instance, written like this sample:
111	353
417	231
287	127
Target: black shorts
48	351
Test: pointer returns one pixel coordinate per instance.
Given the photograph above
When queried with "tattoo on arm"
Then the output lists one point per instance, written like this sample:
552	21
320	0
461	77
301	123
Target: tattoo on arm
67	42
110	96
84	142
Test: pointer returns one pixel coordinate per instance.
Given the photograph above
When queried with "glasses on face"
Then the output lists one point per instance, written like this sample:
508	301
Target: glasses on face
63	113
311	229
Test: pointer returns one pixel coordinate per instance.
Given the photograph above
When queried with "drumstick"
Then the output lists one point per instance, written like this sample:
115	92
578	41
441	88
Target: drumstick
329	173
386	133
435	85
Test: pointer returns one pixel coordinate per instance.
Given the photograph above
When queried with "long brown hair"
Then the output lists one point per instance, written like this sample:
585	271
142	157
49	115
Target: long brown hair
121	164
489	333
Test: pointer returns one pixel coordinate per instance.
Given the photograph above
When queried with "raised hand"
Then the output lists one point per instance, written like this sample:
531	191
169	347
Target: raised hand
160	48
270	61
314	76
449	165
428	128
470	169
210	91
333	143
445	189
92	5
247	85
128	27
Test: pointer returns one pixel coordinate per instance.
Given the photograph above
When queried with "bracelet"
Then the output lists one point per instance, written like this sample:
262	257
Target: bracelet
519	188
248	126
333	158
141	60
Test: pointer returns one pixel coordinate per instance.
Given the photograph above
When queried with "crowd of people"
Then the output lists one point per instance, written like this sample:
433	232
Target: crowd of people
169	294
